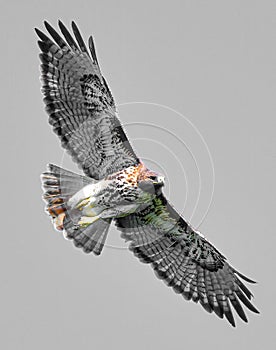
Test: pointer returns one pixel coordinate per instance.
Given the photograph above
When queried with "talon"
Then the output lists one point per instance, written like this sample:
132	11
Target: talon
87	220
82	203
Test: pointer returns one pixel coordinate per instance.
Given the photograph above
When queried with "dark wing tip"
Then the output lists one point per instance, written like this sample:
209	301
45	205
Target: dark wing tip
46	24
246	301
68	37
50	29
92	49
61	24
230	318
244	277
239	309
55	35
41	35
79	38
74	26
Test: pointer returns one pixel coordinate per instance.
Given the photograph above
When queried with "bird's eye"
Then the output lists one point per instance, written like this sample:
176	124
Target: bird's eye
152	177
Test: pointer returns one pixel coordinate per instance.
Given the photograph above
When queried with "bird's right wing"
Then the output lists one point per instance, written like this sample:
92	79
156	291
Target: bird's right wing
185	260
80	105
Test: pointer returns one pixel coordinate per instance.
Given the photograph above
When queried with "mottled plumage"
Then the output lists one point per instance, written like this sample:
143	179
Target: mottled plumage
118	186
80	106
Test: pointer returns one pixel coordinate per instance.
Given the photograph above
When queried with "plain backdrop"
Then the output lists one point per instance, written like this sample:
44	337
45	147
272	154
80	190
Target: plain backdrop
213	62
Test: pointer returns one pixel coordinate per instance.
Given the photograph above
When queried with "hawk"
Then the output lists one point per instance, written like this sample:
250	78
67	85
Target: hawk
117	185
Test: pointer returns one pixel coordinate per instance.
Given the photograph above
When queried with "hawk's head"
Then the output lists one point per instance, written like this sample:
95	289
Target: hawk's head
150	181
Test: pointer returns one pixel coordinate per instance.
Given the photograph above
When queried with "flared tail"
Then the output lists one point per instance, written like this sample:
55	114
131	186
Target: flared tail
59	186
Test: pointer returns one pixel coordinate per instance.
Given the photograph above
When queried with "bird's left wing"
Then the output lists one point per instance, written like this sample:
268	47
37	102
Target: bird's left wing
80	105
186	261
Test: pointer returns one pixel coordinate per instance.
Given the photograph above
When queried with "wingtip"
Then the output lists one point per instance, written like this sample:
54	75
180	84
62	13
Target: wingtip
41	35
79	38
92	49
244	318
38	32
73	24
60	24
245	278
90	40
48	26
255	310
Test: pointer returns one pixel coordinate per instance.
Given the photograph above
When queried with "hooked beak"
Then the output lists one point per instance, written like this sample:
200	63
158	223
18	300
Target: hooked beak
159	181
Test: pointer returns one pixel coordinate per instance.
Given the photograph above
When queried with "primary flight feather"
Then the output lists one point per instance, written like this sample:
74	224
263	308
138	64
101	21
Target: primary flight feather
118	186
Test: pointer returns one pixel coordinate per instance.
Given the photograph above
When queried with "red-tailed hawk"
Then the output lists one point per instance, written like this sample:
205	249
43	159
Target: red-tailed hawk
118	187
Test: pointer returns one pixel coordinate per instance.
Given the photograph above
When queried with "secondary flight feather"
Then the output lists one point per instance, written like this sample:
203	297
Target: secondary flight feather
118	186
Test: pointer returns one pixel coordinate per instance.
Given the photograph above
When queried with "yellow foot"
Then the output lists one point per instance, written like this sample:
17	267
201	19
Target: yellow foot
83	203
87	220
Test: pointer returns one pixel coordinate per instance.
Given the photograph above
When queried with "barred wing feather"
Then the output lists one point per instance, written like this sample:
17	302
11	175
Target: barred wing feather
80	105
185	260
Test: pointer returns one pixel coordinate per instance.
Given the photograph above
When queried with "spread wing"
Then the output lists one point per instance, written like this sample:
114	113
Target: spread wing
185	260
80	105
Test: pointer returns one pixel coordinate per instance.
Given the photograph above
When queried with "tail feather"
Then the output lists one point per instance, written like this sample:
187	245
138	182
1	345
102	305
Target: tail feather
91	238
59	186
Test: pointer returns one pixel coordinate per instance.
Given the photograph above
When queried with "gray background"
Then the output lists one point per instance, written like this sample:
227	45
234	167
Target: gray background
214	61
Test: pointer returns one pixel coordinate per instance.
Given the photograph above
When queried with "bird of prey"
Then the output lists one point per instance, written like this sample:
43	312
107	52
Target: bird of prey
117	186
